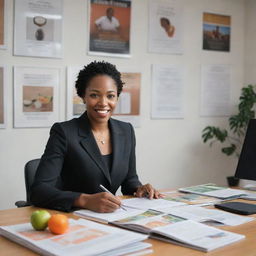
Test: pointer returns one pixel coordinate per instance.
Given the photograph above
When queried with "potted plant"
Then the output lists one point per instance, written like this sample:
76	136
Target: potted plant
234	137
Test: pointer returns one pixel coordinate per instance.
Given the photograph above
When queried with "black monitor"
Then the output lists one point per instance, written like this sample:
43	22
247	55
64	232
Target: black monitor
246	168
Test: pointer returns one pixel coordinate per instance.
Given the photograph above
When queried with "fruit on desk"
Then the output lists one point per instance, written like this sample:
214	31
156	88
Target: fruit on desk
58	224
39	219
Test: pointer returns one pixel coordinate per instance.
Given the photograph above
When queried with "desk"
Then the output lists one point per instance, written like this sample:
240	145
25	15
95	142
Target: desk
246	247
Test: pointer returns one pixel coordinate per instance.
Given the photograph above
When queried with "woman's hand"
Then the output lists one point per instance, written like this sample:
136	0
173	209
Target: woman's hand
147	191
99	202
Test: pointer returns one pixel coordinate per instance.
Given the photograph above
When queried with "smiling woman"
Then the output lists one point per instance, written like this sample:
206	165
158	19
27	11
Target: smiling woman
89	151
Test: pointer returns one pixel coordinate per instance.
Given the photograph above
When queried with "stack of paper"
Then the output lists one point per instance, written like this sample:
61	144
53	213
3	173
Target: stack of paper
82	239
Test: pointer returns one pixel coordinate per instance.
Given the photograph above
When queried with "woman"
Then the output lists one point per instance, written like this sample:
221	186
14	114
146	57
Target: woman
89	151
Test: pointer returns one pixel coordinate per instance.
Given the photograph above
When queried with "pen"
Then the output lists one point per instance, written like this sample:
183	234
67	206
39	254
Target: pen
106	190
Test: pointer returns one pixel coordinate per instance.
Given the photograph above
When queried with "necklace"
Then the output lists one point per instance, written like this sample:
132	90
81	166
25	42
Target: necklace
102	142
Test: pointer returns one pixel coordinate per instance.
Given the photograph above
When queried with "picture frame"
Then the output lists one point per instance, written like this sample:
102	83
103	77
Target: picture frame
3	97
3	24
38	28
36	96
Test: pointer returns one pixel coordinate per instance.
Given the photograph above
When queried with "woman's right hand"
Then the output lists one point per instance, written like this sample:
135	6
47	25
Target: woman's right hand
100	202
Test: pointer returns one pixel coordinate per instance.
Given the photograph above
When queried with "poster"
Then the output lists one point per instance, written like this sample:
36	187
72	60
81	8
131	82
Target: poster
215	90
167	92
216	32
128	106
165	27
109	27
38	28
36	96
3	25
2	98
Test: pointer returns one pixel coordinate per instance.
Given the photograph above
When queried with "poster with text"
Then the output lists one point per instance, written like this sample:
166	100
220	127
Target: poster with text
216	32
3	27
215	90
109	27
128	106
2	98
36	96
38	28
165	27
167	92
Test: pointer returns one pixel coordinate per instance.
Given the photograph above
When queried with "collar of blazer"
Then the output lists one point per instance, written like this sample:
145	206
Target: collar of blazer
89	144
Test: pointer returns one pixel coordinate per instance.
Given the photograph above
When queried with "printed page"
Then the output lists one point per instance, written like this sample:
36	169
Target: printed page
197	234
81	234
188	198
145	203
108	217
201	214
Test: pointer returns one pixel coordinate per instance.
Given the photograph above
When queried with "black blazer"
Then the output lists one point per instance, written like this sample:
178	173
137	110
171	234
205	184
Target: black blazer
72	164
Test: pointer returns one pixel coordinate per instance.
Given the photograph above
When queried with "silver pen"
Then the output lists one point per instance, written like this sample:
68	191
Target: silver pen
106	190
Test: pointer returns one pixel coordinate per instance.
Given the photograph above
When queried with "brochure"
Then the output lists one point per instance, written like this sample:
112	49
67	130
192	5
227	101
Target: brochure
82	239
179	231
214	191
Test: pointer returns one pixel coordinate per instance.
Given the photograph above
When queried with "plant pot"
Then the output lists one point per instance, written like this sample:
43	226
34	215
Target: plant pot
232	181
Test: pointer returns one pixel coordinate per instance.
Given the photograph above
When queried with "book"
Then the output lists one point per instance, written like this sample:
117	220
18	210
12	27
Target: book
214	191
176	230
82	238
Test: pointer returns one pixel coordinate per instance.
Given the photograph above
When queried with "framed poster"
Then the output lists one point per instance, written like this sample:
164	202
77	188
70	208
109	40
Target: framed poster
128	107
2	97
109	27
165	27
38	28
36	96
3	24
216	32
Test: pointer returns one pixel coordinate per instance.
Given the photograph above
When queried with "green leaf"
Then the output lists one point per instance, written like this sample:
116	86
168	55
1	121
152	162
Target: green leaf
229	150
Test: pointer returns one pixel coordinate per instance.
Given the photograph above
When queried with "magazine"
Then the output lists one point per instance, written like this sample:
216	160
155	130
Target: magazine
214	191
179	231
82	239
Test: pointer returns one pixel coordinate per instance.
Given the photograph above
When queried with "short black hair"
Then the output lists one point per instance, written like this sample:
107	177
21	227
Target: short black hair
165	19
96	68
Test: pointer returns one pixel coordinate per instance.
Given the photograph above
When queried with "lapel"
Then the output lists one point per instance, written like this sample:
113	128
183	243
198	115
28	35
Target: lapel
89	144
118	146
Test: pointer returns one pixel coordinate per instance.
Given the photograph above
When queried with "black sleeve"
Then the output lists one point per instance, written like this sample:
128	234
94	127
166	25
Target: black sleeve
131	182
46	191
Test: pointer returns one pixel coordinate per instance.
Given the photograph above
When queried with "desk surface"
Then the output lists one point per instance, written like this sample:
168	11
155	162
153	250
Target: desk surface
246	247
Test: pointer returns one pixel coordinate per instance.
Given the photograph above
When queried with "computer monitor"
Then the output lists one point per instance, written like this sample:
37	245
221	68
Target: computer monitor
246	168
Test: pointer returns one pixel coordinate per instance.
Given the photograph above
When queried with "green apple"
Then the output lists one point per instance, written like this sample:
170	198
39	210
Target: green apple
39	219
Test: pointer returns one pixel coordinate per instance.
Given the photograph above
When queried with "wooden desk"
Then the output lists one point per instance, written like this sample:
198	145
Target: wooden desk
246	247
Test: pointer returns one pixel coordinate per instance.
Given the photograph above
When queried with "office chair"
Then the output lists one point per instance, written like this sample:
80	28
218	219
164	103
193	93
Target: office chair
29	172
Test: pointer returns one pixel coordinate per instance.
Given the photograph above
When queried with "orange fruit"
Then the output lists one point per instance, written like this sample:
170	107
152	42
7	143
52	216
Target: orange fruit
58	224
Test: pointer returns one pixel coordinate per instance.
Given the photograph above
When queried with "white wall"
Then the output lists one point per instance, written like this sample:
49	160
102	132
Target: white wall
170	153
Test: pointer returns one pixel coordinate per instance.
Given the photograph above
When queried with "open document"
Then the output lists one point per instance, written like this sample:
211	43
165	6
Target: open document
212	216
179	231
82	239
214	191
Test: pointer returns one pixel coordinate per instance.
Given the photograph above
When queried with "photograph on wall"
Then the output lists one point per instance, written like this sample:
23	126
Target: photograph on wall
36	99
38	28
128	106
3	27
109	27
216	32
75	105
215	90
2	98
167	92
165	27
